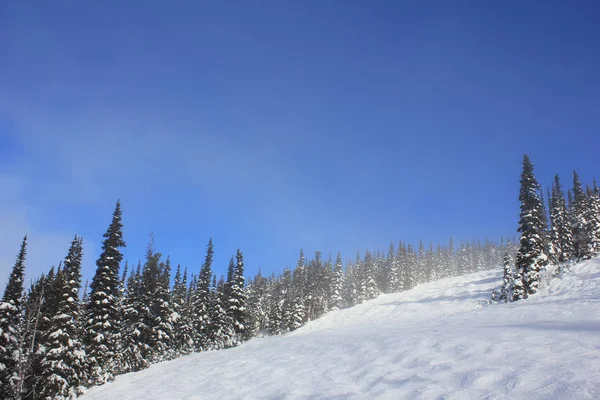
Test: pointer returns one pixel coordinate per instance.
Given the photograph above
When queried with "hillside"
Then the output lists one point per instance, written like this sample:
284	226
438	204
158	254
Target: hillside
439	340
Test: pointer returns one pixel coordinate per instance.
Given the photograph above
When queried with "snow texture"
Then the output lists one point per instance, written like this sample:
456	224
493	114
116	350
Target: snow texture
439	340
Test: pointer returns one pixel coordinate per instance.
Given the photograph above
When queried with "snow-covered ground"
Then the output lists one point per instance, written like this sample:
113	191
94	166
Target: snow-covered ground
438	341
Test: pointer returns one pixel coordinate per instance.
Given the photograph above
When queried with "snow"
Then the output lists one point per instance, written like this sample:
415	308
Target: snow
439	340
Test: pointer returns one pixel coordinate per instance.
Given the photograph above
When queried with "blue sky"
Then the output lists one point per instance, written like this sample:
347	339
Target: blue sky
271	125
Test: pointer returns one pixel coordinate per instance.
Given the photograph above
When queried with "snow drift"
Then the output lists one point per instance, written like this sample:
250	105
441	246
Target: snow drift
439	340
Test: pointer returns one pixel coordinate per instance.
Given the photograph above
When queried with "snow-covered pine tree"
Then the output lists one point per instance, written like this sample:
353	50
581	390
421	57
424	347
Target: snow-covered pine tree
350	286
579	223
10	329
560	234
220	330
311	289
236	303
299	281
135	311
593	219
462	260
47	307
369	285
298	312
421	269
507	280
335	299
531	257
201	301
257	306
32	308
63	367
391	269
411	267
161	334
380	272
450	261
102	334
286	294
400	260
182	341
325	284
275	321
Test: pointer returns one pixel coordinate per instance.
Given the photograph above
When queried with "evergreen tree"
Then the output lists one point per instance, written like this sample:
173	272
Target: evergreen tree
560	233
507	281
370	286
275	323
350	286
50	292
257	307
592	217
580	226
531	257
391	269
236	304
400	260
135	313
201	301
10	329
411	267
32	315
298	312
335	299
286	293
161	335
103	336
64	362
220	330
182	342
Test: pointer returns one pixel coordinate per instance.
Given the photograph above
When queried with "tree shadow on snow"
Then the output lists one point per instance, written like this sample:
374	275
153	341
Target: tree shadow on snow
582	326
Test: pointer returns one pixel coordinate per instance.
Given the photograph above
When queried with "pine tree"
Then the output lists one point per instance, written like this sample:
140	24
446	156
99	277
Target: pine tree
400	260
220	331
286	294
10	330
103	336
236	303
411	268
63	366
32	337
335	299
579	223
201	301
391	269
298	312
183	343
275	320
257	306
560	233
507	281
370	286
49	291
450	261
531	257
134	324
593	220
161	335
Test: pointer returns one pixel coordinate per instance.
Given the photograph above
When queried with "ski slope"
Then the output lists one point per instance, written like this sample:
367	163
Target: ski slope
438	341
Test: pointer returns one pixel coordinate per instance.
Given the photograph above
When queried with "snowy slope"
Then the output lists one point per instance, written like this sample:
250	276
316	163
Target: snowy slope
440	340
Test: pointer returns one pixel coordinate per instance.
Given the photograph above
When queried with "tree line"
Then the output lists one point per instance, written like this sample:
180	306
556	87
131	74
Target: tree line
54	343
568	233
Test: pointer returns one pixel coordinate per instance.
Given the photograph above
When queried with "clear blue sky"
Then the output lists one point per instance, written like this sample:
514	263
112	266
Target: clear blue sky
275	125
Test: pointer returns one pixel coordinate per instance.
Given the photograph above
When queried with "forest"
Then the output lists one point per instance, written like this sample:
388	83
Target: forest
58	338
